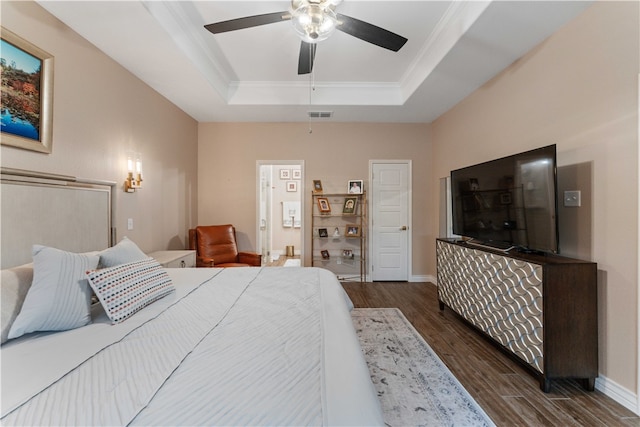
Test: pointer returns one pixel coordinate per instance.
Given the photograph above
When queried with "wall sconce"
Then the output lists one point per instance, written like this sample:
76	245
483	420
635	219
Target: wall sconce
134	166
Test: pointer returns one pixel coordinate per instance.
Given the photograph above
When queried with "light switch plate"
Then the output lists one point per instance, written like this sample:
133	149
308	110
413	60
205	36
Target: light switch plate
572	198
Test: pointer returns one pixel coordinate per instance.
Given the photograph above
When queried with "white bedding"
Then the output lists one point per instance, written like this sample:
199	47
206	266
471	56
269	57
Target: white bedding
241	346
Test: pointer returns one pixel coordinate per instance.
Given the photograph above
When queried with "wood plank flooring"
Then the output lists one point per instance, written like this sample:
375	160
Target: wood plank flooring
507	392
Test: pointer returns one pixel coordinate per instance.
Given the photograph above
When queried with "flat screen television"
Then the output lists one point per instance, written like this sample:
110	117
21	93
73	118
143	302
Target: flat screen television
509	203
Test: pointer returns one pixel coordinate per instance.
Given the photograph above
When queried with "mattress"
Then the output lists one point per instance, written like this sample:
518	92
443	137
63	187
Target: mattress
240	346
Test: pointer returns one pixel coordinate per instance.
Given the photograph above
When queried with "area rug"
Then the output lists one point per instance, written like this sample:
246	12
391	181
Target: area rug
414	386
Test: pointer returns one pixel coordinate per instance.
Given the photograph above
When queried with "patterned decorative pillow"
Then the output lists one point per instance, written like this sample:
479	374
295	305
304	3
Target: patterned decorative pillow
127	288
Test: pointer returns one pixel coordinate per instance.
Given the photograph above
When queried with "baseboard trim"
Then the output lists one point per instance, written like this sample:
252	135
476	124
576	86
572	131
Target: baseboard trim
618	393
422	278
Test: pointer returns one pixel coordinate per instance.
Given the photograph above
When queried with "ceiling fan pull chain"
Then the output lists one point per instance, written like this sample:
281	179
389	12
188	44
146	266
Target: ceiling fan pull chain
311	89
311	59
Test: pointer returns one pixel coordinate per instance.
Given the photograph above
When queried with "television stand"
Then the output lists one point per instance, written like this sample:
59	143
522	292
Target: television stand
542	310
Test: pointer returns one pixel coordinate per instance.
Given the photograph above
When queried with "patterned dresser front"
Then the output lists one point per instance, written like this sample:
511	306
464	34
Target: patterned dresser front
501	296
540	308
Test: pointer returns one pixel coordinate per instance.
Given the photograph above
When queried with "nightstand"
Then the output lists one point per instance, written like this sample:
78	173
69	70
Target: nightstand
175	259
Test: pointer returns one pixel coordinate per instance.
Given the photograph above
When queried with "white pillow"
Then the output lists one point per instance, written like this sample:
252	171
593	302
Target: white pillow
59	297
14	285
127	288
124	252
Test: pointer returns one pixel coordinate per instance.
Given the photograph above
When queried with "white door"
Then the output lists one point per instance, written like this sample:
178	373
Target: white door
390	252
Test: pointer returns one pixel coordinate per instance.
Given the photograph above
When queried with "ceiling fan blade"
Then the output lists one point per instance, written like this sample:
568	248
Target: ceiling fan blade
247	22
307	56
370	33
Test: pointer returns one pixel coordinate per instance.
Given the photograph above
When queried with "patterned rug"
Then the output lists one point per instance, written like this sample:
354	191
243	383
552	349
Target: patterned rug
414	386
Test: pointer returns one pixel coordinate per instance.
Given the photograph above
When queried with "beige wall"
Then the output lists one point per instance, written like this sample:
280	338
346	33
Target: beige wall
333	153
579	90
100	112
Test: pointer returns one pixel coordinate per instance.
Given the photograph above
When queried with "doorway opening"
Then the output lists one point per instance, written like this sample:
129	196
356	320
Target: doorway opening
280	228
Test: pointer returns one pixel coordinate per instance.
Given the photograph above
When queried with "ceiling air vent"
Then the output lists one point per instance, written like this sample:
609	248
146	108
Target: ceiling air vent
320	114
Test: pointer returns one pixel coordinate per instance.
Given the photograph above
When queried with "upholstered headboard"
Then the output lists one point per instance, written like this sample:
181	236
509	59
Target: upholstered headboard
64	212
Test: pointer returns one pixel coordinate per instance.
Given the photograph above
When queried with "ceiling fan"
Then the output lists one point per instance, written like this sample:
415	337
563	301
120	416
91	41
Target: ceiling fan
314	21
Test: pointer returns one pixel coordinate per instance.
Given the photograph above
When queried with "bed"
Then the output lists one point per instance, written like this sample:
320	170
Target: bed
241	346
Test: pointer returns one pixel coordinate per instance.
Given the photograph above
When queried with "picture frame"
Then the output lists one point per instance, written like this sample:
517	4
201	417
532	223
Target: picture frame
350	204
322	232
292	186
354	186
325	254
285	174
296	174
352	230
317	186
323	205
505	198
347	253
28	98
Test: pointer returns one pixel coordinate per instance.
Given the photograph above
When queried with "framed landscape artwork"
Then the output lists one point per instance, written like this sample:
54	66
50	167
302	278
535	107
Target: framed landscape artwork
27	94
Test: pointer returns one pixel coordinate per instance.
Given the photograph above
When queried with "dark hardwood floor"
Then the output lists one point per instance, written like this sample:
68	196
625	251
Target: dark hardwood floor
507	392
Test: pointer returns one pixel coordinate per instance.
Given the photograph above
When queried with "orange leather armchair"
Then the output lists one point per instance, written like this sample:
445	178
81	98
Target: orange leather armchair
215	246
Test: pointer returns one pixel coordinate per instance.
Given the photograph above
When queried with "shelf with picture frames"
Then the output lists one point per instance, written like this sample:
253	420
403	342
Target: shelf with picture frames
339	233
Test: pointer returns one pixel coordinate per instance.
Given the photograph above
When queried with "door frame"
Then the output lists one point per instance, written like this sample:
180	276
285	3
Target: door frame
371	211
301	191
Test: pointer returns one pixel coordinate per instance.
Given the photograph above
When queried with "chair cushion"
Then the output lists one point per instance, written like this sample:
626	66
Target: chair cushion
217	242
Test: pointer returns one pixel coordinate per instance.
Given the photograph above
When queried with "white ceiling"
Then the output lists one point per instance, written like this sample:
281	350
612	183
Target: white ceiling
251	74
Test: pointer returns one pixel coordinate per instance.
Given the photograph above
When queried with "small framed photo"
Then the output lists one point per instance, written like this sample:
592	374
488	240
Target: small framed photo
347	253
322	232
317	186
354	186
323	205
325	254
352	230
349	205
296	174
285	174
505	198
292	186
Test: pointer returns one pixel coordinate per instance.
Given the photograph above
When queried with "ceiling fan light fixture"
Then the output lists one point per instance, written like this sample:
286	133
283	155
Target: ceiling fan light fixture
314	23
